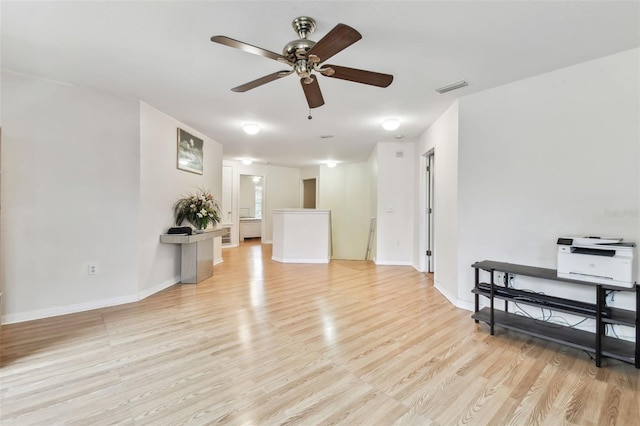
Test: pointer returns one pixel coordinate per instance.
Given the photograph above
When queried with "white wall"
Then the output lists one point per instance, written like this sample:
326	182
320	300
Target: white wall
310	172
70	190
88	177
522	164
281	191
345	191
395	203
161	184
548	156
442	138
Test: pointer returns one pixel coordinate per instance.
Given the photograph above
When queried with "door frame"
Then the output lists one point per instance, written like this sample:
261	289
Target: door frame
302	190
430	210
263	178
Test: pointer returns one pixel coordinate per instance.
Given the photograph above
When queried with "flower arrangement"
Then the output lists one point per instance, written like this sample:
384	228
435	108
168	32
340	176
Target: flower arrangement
199	209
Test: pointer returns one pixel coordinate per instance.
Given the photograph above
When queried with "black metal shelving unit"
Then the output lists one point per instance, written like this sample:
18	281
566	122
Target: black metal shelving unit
597	343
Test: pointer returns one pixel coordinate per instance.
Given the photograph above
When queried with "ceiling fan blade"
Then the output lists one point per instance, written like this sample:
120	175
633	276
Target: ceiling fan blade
248	48
360	76
262	80
339	38
312	93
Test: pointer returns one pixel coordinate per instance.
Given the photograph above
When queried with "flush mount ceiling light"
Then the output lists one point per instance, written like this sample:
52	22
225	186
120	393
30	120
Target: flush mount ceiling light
247	162
331	164
251	128
391	124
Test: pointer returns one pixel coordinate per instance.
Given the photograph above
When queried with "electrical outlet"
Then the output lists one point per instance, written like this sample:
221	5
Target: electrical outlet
93	268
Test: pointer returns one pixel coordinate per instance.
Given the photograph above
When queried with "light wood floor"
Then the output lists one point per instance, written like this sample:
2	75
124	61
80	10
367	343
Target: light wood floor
268	343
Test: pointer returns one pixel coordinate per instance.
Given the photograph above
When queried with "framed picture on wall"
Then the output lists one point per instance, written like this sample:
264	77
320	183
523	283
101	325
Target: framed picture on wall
189	152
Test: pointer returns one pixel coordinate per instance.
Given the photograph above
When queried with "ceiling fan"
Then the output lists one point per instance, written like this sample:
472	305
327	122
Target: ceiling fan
305	56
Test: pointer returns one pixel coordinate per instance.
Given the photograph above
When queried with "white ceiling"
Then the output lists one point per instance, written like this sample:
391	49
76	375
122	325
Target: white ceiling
160	52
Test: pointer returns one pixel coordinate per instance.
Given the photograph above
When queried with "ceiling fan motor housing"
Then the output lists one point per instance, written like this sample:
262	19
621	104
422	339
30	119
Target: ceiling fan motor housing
297	49
300	46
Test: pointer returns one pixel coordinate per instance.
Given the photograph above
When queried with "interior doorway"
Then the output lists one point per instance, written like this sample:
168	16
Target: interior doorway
251	201
309	193
430	173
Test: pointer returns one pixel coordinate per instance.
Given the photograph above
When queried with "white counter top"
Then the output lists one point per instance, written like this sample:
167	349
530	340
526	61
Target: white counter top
300	211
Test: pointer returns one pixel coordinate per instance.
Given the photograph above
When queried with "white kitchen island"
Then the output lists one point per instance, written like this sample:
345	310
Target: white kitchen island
301	236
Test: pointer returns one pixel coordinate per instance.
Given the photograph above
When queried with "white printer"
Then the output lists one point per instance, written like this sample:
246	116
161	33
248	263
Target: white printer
598	260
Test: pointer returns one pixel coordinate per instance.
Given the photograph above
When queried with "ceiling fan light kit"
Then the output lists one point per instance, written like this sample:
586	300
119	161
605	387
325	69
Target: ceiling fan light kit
306	57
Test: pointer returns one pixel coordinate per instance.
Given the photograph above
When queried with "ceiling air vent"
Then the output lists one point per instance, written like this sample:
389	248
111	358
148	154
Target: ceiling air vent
326	136
452	86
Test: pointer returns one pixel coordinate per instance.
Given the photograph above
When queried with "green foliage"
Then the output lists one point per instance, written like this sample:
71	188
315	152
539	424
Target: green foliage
199	209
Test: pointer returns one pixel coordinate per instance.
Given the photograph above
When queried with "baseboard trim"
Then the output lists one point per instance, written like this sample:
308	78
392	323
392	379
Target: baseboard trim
467	306
443	291
69	309
158	287
462	304
281	260
393	263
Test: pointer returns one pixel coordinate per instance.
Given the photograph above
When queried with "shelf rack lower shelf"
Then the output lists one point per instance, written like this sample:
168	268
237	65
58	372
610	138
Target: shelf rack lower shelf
612	348
618	316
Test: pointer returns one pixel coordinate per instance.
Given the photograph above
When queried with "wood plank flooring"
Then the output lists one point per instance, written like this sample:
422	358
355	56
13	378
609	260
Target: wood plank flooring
265	343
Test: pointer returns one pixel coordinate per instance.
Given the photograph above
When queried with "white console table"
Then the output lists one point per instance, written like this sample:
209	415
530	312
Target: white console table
197	254
301	236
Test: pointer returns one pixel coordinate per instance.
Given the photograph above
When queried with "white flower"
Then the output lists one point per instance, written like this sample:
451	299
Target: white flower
199	215
210	214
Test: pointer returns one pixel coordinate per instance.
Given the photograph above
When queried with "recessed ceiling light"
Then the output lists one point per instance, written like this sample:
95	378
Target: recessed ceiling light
399	136
391	124
331	164
251	128
247	162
